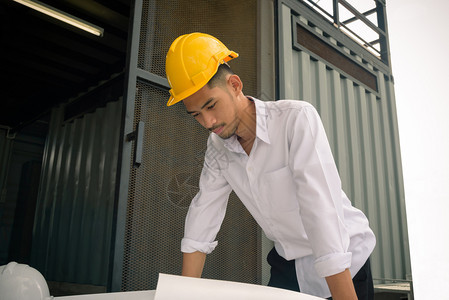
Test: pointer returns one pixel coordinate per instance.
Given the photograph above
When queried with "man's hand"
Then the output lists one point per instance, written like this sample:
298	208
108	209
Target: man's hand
341	286
193	264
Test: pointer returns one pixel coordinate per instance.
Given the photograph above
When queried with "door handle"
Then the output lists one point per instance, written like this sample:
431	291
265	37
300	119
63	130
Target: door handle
137	136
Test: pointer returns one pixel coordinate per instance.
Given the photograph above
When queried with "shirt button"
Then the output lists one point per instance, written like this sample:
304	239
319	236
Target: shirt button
250	169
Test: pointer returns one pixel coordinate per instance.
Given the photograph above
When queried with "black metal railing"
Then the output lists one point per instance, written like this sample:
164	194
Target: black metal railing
378	46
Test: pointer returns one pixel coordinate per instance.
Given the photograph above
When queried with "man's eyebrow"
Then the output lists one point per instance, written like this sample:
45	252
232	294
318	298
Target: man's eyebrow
204	105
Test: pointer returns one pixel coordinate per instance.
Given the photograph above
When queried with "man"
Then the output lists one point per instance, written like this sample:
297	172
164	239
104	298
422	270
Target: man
277	159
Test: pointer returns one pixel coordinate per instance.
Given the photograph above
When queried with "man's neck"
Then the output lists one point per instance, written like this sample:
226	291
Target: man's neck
246	132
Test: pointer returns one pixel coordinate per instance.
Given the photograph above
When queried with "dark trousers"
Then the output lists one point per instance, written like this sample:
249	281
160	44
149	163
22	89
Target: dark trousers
283	275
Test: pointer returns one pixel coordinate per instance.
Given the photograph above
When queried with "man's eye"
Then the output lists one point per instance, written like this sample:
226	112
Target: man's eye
195	115
212	106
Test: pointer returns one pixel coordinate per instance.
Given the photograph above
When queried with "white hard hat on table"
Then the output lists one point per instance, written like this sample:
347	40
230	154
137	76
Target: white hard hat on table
22	282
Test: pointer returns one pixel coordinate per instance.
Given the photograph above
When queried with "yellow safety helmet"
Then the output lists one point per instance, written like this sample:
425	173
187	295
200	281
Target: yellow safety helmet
192	60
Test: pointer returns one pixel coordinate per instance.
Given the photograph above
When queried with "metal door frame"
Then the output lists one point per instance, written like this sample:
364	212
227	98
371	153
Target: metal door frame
133	74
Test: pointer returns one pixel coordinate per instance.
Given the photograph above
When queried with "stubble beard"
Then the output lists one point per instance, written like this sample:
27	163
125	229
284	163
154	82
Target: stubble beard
226	134
233	125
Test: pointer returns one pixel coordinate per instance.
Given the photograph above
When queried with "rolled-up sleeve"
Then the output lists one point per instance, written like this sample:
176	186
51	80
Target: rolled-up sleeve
189	246
207	209
318	190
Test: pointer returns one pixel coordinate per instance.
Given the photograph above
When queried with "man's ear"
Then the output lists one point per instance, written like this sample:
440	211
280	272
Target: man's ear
235	83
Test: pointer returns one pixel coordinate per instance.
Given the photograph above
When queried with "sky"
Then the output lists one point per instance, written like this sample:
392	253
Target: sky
419	45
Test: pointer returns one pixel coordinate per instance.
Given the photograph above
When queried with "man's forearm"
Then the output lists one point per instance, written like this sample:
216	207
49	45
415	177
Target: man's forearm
341	286
193	264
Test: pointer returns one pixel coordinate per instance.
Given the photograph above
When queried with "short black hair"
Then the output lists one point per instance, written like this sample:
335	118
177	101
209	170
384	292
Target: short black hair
219	78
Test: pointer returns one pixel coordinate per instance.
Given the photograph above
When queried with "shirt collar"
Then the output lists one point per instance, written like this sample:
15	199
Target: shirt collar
261	127
261	120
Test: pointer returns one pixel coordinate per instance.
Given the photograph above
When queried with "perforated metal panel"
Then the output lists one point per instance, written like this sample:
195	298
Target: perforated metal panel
161	189
233	22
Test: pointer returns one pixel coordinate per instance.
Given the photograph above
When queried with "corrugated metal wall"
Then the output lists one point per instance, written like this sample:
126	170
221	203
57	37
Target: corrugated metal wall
20	161
74	213
362	129
6	213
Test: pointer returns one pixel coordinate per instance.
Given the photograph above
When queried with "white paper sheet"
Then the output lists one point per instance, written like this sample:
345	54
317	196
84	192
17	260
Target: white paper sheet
172	287
139	295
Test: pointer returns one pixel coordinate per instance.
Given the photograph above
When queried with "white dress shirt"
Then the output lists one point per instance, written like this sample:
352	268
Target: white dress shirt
291	186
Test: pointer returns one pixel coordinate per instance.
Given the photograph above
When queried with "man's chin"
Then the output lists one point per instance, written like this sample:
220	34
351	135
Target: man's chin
227	132
226	135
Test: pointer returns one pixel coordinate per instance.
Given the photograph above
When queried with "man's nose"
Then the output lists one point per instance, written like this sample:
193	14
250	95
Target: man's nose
209	120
